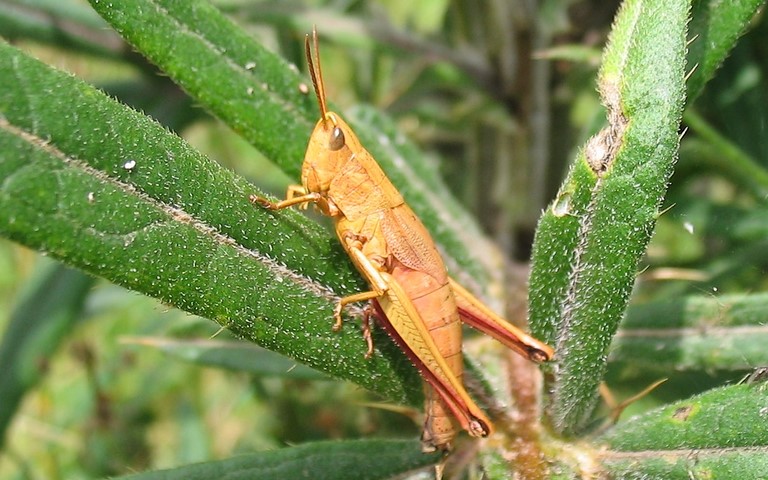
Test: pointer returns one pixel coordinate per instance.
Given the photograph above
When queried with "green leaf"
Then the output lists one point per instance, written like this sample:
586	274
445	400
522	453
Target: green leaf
713	435
43	316
590	239
108	190
232	355
253	90
353	460
743	463
257	94
726	417
694	333
714	29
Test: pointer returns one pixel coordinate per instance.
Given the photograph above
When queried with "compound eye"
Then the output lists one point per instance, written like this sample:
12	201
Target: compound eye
337	139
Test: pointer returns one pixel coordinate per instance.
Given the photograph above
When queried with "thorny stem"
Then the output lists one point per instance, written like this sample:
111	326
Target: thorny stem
525	385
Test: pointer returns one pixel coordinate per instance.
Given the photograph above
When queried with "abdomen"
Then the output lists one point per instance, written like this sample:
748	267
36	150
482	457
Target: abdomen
436	306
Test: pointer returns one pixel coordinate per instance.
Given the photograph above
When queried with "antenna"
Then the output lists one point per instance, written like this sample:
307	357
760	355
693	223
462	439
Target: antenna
315	71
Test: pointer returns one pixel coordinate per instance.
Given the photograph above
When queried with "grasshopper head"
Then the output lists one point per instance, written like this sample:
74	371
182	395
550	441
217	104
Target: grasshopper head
331	145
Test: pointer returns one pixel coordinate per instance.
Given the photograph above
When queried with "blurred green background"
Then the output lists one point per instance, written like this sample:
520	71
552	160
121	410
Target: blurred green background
499	94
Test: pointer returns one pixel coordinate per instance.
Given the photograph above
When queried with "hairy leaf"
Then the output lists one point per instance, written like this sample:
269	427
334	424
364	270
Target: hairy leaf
127	200
721	433
715	27
590	239
258	94
353	460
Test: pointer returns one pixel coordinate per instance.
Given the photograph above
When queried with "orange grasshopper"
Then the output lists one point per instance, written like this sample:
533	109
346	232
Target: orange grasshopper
417	302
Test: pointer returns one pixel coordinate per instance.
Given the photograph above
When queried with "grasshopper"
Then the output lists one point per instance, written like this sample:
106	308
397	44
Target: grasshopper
419	305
